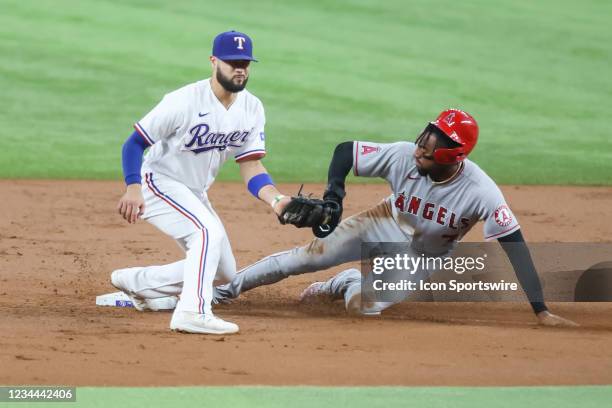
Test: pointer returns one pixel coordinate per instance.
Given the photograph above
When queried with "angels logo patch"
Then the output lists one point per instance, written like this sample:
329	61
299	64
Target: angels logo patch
369	149
503	216
450	119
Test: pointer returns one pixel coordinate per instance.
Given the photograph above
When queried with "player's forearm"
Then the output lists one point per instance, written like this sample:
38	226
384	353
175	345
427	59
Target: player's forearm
518	253
251	168
131	158
269	194
341	164
259	183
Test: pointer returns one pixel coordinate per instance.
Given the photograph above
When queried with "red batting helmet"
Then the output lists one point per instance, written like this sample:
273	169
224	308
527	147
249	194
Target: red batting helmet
461	128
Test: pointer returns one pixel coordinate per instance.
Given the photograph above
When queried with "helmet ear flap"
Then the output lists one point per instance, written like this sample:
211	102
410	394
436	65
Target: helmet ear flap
449	156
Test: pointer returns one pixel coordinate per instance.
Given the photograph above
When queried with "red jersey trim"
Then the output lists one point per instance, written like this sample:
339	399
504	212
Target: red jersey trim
503	233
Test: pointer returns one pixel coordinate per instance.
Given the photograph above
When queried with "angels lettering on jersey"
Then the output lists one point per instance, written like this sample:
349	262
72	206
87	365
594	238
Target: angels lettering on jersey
429	211
435	216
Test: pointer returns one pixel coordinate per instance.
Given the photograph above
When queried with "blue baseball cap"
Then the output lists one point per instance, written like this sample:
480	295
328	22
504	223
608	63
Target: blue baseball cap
233	45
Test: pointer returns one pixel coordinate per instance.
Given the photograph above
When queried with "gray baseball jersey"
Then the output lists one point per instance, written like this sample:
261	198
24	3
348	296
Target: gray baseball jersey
435	215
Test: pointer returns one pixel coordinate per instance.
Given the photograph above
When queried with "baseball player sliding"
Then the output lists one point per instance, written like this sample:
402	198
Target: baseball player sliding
190	134
438	195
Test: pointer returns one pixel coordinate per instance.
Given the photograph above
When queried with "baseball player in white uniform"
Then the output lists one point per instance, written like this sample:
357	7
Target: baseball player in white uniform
438	195
190	134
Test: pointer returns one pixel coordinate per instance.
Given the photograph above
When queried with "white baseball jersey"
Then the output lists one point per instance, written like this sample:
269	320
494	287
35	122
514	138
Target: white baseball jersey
435	216
192	134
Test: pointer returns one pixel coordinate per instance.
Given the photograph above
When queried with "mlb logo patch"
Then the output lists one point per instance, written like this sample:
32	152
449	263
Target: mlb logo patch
262	136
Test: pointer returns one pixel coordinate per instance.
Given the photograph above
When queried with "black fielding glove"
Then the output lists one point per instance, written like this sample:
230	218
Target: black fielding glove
332	213
303	212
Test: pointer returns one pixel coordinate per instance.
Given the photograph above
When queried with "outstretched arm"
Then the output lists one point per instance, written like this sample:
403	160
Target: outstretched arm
260	184
516	248
339	167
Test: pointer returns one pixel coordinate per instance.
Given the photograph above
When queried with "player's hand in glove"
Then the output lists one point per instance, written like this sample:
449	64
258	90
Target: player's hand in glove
302	212
332	208
321	215
548	319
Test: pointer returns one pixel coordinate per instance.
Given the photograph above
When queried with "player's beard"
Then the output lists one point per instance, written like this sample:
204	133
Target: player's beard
229	85
422	172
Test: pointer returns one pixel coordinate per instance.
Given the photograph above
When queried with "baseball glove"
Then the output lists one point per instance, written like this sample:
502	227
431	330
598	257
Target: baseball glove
332	209
303	211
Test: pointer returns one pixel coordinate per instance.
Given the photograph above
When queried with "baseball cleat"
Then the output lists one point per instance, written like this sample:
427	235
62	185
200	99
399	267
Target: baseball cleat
352	303
312	292
141	304
193	322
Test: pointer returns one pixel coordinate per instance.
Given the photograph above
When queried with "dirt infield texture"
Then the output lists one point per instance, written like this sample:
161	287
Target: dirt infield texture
59	241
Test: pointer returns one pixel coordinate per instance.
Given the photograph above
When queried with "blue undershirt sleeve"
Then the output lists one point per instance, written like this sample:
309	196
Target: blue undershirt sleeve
131	156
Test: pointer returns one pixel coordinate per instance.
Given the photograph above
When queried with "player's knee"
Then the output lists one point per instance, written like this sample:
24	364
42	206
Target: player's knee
193	240
226	272
200	237
223	278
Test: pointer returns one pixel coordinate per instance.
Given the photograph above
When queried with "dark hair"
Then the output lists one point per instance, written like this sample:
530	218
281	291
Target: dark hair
442	140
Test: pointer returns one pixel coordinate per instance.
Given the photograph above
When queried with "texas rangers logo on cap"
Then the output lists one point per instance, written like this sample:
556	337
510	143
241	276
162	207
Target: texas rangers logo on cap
233	45
240	40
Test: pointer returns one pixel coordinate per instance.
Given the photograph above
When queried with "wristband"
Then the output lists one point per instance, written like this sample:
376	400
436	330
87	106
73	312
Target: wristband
276	200
256	183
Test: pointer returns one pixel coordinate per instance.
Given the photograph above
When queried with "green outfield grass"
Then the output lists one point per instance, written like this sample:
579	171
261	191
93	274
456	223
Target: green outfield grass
76	74
354	397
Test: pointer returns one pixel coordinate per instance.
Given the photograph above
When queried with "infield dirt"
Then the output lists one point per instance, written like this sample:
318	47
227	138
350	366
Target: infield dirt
59	241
